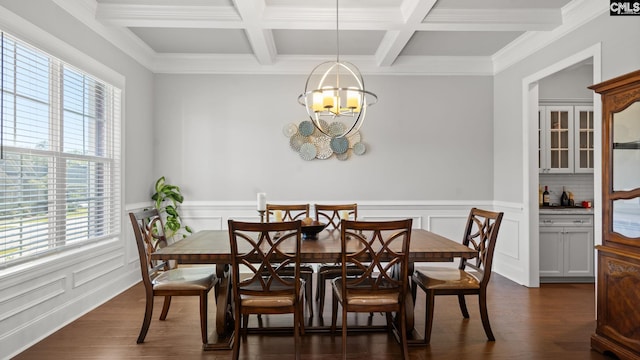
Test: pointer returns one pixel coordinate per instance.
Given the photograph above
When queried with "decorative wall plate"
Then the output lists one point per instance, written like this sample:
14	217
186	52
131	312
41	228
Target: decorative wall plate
339	145
336	128
310	143
308	151
359	148
306	128
290	129
296	141
323	146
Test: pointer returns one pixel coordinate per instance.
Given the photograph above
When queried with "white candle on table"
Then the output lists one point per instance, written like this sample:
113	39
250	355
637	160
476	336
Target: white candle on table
262	201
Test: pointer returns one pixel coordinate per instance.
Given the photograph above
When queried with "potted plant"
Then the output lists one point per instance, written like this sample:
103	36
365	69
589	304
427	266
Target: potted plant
167	197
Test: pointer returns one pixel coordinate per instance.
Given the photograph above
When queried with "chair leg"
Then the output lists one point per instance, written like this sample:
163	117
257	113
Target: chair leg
403	333
148	311
245	325
308	292
301	319
484	315
414	291
389	318
463	306
298	317
203	317
428	321
321	293
334	313
238	338
165	307
344	332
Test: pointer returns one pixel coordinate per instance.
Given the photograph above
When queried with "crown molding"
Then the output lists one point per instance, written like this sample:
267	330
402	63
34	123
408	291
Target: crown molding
247	64
574	14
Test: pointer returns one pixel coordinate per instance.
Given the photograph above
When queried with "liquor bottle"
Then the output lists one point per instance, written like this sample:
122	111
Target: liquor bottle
564	198
545	196
540	195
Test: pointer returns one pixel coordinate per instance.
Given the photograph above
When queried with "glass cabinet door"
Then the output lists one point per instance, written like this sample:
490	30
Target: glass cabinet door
626	170
584	139
556	147
559	139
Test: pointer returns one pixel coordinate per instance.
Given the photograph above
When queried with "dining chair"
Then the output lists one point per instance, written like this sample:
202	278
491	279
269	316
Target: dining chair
263	288
332	215
291	212
160	279
472	275
381	250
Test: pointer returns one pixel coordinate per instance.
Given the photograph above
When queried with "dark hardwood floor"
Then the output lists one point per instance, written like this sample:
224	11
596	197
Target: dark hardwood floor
554	321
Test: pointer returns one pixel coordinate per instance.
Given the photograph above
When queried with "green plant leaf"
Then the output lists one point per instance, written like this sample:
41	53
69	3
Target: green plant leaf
160	184
171	211
167	197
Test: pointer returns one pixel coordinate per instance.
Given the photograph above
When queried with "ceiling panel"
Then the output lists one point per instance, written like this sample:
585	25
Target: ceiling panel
458	43
323	42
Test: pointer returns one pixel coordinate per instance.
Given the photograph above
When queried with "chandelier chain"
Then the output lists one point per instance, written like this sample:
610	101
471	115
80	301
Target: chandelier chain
337	34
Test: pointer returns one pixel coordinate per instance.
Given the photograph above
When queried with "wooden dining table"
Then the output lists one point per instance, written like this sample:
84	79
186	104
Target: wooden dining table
213	247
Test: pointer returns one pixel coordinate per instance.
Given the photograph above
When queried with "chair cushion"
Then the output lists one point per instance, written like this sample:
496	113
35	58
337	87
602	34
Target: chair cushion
445	278
270	300
372	298
189	278
267	301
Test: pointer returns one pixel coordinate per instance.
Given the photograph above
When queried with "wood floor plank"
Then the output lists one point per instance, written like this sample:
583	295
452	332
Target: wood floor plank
554	321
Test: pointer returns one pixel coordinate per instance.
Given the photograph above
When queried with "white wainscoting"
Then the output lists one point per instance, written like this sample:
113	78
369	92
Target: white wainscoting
42	296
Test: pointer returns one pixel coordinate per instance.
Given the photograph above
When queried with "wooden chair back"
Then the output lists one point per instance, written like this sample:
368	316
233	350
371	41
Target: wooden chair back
289	212
333	214
262	251
148	230
380	249
481	234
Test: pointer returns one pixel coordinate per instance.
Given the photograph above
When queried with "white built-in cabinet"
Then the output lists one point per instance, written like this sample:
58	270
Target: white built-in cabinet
566	247
565	139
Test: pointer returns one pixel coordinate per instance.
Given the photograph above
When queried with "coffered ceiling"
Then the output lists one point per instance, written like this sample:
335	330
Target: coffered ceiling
291	36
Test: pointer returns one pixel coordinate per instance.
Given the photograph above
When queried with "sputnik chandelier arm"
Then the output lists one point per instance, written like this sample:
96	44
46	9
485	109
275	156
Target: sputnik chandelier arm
334	91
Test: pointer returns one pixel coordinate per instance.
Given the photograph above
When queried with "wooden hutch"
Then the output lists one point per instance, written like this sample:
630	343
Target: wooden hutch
618	280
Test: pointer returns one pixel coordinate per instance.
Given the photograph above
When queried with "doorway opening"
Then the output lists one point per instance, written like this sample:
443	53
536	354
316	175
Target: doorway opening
533	87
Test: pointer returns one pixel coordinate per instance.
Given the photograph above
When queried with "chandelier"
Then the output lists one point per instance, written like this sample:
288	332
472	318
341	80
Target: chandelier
335	91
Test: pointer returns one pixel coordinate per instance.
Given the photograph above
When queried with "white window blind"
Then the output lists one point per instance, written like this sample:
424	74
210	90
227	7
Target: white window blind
59	155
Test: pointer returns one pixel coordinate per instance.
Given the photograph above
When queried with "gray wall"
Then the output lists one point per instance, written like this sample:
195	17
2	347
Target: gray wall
428	138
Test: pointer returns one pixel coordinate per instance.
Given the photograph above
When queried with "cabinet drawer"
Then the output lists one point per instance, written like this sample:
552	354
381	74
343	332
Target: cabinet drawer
566	220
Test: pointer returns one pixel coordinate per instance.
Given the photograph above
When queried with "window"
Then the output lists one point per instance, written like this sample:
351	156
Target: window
59	155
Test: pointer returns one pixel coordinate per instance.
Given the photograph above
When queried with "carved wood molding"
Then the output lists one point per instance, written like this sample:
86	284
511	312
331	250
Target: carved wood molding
621	101
622	269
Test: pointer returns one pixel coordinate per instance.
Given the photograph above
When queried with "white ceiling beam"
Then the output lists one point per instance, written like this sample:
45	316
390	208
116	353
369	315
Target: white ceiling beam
136	15
260	38
394	41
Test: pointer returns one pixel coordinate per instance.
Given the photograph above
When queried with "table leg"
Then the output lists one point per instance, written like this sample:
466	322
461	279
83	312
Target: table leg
222	338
